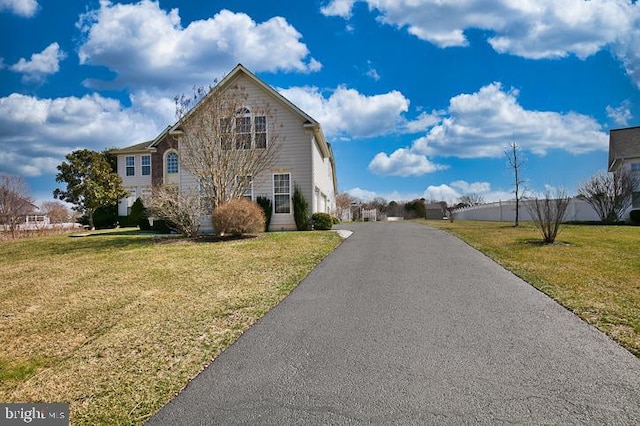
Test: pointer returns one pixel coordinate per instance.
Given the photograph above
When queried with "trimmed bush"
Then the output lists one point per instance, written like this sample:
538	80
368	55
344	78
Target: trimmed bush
138	215
335	220
105	217
267	208
238	217
161	226
300	210
125	221
321	221
634	215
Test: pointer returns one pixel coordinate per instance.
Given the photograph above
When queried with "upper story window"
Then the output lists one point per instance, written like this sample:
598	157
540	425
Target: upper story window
146	165
244	131
635	167
130	165
172	163
260	128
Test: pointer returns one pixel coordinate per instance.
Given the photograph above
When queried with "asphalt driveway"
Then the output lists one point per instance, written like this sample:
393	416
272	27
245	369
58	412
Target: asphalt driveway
404	324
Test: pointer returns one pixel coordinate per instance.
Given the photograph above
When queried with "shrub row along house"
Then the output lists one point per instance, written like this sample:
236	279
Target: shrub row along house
238	123
624	152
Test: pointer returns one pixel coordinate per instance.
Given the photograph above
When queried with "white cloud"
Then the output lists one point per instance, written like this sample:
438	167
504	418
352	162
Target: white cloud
532	29
348	113
340	8
472	188
443	192
627	50
403	162
371	72
620	114
362	194
423	122
482	124
452	192
25	8
147	47
41	64
36	134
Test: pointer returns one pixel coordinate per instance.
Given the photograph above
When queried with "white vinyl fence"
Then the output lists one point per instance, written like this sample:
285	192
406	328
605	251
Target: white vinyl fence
505	211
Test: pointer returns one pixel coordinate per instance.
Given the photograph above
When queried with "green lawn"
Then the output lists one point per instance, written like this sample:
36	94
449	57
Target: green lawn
117	323
593	270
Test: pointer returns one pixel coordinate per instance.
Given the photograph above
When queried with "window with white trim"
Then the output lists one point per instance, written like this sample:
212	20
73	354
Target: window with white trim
243	131
133	195
172	163
130	165
246	182
260	129
146	165
146	194
635	167
282	193
226	133
205	200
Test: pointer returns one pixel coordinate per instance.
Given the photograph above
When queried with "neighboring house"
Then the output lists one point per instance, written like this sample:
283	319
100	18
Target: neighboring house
435	210
17	212
304	158
624	152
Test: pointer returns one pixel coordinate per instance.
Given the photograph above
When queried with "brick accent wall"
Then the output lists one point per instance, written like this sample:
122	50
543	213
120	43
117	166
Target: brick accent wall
157	158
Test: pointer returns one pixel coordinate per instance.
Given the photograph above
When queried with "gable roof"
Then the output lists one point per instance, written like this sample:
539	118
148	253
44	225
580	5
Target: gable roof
140	147
623	144
239	69
309	123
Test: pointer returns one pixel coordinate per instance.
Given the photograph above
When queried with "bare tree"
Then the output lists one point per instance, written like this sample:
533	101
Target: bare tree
471	199
226	140
181	210
515	162
343	204
57	212
548	212
15	203
610	194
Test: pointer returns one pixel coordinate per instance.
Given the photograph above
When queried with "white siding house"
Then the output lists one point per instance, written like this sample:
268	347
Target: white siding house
134	167
304	158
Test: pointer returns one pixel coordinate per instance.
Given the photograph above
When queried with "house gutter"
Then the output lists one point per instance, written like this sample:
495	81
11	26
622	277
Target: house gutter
325	148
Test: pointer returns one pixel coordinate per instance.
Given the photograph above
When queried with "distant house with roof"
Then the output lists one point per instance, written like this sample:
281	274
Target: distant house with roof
304	157
624	152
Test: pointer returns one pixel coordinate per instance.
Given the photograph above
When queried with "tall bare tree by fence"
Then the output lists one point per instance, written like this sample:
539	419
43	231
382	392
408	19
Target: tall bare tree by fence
515	160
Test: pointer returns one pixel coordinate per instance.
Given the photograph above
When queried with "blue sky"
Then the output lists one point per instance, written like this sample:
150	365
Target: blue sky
419	98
